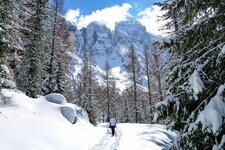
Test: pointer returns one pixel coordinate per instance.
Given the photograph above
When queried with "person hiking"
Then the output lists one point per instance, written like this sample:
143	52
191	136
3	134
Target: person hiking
112	125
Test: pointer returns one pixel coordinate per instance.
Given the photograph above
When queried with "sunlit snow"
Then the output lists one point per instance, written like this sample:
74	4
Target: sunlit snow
37	124
196	82
212	116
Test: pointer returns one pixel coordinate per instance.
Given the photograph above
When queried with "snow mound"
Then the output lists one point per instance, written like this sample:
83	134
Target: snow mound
36	124
69	113
56	98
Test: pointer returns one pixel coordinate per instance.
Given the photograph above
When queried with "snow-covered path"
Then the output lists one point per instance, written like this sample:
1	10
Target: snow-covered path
136	137
108	142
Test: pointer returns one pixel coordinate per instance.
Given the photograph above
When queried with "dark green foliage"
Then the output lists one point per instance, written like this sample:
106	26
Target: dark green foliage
197	40
7	40
32	71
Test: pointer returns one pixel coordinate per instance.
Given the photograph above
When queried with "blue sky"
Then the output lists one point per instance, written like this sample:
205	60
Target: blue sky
110	12
88	6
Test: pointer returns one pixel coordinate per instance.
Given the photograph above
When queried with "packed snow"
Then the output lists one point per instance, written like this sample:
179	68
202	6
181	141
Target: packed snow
38	124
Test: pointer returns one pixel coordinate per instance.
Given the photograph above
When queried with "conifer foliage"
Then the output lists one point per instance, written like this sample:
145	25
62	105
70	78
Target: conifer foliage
195	100
7	41
33	61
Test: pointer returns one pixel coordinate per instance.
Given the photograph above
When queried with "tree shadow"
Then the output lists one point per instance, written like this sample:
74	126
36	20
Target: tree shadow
164	142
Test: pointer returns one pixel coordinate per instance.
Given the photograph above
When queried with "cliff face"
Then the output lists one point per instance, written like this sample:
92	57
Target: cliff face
113	45
116	43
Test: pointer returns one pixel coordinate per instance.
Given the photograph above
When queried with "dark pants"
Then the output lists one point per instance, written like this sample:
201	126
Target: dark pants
113	130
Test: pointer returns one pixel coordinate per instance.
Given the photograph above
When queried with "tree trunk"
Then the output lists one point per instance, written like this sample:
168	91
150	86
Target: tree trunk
53	48
134	82
149	84
158	76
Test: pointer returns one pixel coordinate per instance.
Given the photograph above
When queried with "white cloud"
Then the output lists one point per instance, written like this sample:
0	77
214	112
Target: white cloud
150	19
109	16
72	15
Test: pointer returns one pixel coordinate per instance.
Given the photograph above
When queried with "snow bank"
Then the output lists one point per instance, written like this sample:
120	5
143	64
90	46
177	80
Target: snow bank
212	116
56	98
36	124
145	137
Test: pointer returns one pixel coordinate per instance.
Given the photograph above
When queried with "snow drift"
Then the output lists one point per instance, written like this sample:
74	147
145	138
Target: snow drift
37	124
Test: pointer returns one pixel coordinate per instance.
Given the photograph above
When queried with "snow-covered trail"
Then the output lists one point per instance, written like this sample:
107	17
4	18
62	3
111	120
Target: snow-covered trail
136	136
108	142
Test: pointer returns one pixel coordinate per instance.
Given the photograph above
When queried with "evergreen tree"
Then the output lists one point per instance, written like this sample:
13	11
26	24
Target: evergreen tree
58	64
87	99
9	40
195	86
32	70
5	19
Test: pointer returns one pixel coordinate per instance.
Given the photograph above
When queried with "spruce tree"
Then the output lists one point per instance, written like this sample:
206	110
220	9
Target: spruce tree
56	64
5	19
195	86
87	97
32	70
9	41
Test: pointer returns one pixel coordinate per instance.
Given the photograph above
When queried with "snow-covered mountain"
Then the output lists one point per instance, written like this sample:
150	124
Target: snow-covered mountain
97	37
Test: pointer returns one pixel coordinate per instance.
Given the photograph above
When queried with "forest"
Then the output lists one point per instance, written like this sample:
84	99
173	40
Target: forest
177	80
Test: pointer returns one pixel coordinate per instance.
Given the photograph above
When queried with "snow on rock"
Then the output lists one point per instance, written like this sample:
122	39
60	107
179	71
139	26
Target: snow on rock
212	116
69	113
35	124
56	98
196	83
